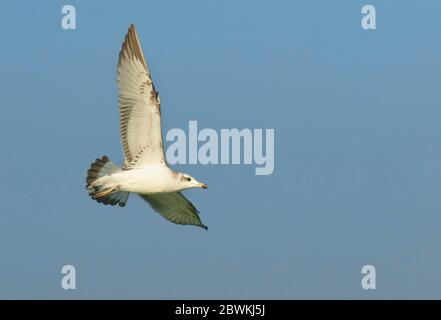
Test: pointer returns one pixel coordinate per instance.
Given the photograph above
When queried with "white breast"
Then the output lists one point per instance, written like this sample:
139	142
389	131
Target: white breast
151	179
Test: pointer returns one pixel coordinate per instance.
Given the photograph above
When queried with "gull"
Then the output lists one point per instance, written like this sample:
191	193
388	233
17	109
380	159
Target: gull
145	171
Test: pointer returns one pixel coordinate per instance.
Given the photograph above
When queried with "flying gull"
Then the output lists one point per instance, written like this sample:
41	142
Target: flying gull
145	170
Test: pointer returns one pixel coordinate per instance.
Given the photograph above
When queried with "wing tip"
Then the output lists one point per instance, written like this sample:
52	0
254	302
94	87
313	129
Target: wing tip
131	47
131	29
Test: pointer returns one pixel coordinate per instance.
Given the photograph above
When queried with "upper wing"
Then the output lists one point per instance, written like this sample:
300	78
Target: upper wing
174	207
139	105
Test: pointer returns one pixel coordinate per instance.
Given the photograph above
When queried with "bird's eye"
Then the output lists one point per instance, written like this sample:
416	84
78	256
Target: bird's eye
184	178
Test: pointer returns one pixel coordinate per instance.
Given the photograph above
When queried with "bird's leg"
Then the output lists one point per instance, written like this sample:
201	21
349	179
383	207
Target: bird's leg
106	192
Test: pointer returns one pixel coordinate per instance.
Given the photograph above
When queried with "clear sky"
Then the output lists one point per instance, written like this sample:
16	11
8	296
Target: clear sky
357	176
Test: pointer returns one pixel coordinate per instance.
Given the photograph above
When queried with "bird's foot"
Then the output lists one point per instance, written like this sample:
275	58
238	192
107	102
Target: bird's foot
105	192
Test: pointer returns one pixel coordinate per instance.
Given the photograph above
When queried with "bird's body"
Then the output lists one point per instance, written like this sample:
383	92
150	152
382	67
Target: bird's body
146	180
145	171
160	177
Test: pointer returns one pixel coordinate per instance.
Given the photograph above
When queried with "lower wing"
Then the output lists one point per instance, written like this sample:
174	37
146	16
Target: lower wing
174	207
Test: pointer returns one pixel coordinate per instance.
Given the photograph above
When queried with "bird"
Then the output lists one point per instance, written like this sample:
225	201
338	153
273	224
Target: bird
145	170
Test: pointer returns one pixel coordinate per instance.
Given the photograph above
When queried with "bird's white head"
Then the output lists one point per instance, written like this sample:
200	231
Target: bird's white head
188	182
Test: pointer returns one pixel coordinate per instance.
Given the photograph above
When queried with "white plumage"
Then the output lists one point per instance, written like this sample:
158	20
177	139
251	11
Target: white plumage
145	170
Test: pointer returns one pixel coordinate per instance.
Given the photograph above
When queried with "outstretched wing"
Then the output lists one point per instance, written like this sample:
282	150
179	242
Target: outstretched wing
174	207
139	105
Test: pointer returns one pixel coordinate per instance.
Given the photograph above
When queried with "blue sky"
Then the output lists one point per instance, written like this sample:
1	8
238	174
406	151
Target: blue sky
357	172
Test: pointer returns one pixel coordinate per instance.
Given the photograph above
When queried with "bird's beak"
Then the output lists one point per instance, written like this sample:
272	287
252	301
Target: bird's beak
203	185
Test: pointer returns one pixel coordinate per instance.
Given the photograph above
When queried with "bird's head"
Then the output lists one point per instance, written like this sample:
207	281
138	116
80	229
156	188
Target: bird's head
188	182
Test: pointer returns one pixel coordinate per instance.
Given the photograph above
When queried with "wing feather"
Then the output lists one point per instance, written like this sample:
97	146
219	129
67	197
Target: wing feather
174	207
139	105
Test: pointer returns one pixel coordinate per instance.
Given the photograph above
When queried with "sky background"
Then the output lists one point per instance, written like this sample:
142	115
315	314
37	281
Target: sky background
357	176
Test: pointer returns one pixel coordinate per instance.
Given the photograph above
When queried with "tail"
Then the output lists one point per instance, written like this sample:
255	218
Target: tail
99	191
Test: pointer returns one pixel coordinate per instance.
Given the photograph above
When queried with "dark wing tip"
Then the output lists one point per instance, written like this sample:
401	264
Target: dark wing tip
131	31
131	47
